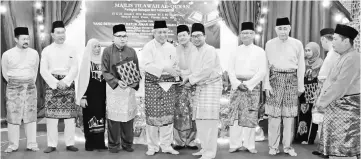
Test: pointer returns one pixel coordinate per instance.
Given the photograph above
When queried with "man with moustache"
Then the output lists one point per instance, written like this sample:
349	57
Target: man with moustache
159	60
339	100
247	68
59	68
283	85
207	77
120	99
184	127
20	68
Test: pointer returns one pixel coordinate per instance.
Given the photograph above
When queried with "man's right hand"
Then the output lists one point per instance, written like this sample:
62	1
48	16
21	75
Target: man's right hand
269	93
122	85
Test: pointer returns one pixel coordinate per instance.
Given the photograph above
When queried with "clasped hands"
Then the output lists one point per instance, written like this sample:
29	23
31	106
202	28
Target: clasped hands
242	87
61	85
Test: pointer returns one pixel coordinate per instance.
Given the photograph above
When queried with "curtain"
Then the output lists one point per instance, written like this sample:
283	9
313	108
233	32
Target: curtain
22	13
234	13
307	18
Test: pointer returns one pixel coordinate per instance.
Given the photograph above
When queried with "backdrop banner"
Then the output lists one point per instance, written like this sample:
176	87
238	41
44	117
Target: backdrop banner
139	16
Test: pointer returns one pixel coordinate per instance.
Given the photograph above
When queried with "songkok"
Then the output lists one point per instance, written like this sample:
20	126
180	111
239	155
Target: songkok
21	31
282	21
182	28
247	26
57	24
198	27
118	28
326	31
160	24
346	31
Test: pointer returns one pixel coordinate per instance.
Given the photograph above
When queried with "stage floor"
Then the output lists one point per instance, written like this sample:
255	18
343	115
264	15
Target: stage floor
304	151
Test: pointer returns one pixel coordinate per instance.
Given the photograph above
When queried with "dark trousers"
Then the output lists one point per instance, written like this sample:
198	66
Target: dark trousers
120	133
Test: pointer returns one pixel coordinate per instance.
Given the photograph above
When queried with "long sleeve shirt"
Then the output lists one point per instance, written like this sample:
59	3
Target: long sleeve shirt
113	55
247	62
207	65
60	59
328	64
20	63
186	56
156	57
344	79
288	54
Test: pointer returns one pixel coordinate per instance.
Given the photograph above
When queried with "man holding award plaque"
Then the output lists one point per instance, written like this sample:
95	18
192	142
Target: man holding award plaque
121	72
159	59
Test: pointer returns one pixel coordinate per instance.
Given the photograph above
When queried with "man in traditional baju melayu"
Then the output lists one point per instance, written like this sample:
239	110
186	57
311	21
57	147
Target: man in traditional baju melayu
339	100
159	59
247	68
59	68
331	56
184	127
120	97
20	68
328	64
207	77
283	85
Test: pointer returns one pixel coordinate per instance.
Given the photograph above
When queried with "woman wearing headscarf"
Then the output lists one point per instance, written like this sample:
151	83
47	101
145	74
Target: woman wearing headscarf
306	130
91	95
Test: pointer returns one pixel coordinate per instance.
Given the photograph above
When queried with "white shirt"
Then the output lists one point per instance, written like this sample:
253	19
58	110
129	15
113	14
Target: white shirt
247	62
288	54
155	57
187	58
328	64
20	63
60	59
207	65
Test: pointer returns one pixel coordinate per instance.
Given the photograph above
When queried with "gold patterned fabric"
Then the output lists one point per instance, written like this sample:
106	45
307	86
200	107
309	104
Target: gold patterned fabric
340	134
60	103
159	104
21	101
183	108
244	107
284	101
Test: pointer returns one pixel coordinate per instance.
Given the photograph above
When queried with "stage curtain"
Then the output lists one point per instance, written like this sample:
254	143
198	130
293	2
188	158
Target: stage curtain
234	13
307	18
22	13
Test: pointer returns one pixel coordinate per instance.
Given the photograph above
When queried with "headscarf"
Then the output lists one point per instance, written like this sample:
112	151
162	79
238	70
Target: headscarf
314	62
84	75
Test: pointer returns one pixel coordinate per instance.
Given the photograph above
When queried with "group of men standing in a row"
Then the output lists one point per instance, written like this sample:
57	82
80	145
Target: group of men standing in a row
172	75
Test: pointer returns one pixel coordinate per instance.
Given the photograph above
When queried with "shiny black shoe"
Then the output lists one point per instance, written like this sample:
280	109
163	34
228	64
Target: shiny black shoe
49	149
316	153
192	147
89	149
114	150
177	147
128	149
72	148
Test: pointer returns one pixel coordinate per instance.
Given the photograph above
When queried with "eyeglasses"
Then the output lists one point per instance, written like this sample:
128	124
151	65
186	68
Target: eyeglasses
121	36
197	36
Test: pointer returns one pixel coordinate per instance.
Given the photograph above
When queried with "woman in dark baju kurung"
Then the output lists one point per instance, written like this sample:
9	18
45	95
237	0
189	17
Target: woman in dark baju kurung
306	130
91	96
